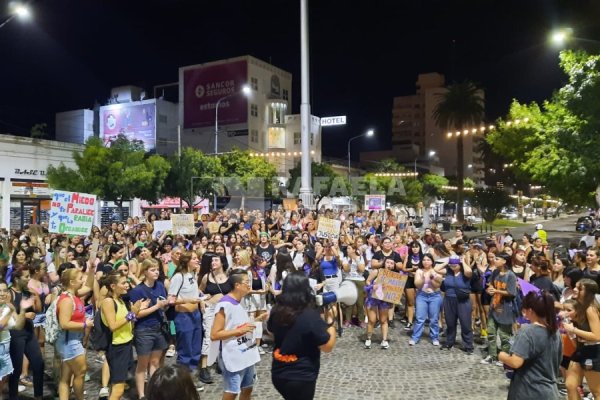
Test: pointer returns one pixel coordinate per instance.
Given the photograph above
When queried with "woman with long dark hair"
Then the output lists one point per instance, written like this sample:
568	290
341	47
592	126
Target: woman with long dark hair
585	362
410	266
300	335
536	352
502	287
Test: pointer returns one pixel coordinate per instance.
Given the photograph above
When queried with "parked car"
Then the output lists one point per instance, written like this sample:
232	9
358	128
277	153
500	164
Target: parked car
589	240
584	224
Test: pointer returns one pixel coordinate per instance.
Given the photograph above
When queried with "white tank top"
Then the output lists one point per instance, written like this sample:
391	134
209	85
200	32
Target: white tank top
240	352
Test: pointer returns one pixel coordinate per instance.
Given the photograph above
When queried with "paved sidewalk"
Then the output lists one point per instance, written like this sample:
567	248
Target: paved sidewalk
352	373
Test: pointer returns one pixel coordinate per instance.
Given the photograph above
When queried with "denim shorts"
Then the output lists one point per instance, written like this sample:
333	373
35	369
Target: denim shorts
148	340
68	345
234	382
6	367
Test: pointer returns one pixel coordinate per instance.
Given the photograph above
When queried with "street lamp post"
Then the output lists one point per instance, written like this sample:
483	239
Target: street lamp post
246	91
431	153
369	133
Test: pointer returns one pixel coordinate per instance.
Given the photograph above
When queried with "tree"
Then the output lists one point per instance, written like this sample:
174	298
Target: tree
248	175
490	202
326	182
118	173
195	165
38	131
398	190
556	144
461	107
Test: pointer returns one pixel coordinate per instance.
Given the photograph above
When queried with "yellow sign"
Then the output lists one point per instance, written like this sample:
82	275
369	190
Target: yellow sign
290	204
328	228
389	286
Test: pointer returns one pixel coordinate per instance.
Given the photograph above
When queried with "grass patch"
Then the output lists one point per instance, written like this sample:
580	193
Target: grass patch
508	223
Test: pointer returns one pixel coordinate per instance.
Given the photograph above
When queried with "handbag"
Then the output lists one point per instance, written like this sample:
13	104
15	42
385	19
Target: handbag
462	294
170	312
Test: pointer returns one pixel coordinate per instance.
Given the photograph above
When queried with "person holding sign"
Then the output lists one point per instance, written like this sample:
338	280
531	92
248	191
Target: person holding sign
429	300
377	308
233	342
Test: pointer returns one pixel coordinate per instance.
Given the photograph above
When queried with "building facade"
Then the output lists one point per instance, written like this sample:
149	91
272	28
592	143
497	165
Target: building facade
259	122
24	192
415	134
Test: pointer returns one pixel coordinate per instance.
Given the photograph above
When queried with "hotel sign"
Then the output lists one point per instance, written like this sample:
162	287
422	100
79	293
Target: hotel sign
333	121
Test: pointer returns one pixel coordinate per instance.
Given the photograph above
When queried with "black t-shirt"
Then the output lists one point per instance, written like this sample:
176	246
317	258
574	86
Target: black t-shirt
302	339
267	253
380	257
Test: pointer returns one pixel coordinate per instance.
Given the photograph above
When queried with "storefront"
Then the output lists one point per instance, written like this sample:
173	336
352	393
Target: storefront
24	193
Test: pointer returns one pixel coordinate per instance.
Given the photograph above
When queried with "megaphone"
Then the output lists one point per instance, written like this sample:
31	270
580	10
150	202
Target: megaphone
346	294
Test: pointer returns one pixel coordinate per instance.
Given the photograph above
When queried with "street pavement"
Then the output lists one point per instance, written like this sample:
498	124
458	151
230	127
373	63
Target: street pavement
351	372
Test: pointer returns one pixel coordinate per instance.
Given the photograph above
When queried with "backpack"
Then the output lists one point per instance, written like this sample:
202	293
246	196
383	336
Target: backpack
101	335
52	327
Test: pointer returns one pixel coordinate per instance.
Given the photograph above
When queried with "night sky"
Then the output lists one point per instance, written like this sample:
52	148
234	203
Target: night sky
362	53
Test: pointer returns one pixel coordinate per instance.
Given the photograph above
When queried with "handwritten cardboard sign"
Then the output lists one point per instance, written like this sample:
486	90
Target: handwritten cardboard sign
183	224
328	228
72	213
389	286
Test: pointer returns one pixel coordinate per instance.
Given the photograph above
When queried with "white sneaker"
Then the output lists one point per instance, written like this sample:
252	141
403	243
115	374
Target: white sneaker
200	388
488	360
368	344
104	392
22	388
412	342
499	364
385	344
261	351
171	351
435	343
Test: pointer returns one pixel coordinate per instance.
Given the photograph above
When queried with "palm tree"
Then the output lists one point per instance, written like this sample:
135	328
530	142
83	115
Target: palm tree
461	107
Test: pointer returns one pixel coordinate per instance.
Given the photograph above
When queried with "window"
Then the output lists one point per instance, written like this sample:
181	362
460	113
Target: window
254	110
254	136
312	137
297	138
285	94
254	83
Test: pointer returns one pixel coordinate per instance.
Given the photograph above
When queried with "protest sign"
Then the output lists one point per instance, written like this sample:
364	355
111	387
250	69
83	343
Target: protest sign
328	228
160	226
389	286
183	224
72	213
375	202
290	204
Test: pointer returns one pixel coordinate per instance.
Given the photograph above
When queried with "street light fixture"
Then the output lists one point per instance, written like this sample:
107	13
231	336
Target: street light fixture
560	36
369	133
430	154
20	11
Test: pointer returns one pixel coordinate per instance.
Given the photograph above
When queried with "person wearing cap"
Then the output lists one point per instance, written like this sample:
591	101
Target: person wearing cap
457	303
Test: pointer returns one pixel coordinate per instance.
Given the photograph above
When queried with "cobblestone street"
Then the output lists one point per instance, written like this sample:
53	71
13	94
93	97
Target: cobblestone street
354	373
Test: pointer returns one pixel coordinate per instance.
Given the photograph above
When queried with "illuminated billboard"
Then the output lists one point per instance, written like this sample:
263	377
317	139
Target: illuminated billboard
203	86
137	121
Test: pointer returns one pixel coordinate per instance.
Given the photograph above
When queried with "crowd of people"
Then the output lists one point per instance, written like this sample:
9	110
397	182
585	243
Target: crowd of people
135	297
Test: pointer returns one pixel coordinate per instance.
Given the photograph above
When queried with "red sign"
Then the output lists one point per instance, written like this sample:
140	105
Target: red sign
204	86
